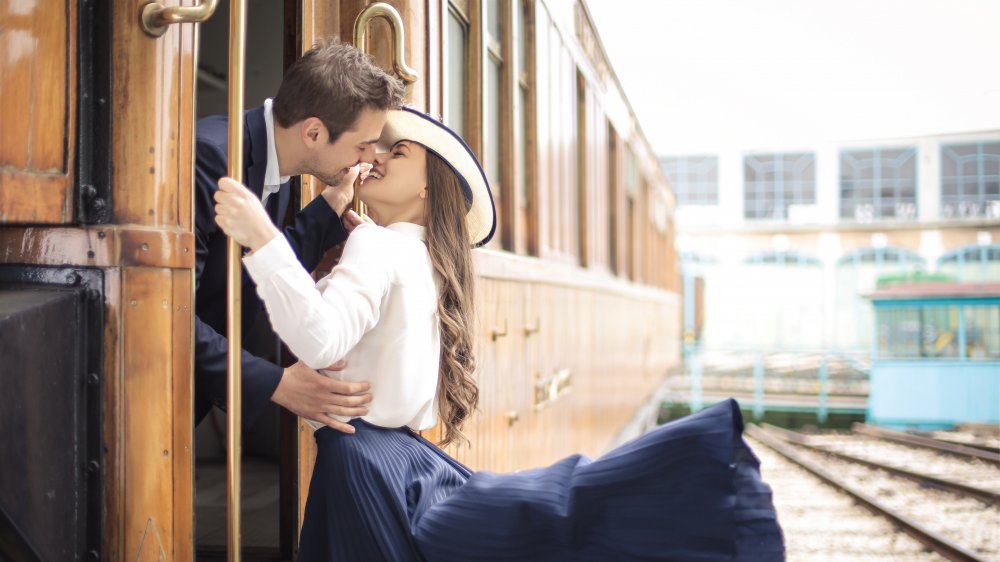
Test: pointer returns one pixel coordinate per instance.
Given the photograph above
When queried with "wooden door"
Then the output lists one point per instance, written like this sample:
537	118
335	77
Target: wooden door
149	385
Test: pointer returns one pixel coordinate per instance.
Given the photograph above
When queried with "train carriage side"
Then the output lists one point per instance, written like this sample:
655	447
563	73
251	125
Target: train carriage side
578	302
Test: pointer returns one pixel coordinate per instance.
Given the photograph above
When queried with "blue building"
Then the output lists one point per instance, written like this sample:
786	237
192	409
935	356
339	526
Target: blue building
936	356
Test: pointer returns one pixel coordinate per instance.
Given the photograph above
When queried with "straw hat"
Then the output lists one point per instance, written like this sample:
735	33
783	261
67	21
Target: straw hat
408	124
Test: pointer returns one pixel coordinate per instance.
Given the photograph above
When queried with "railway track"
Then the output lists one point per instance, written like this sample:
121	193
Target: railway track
913	440
822	524
959	522
987	443
976	491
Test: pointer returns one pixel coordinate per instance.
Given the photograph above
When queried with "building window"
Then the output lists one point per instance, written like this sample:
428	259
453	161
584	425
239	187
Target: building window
970	180
977	263
878	184
775	184
695	179
456	71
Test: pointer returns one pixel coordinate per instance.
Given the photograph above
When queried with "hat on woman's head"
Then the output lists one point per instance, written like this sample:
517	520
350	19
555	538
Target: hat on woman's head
408	124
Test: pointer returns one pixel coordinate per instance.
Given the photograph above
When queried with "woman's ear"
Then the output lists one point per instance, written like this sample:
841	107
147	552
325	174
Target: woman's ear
423	193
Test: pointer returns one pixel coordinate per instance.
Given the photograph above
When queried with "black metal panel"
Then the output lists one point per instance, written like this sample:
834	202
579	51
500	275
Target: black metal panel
51	332
93	154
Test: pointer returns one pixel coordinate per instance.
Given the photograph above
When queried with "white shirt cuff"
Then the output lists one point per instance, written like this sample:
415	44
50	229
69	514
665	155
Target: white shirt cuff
270	258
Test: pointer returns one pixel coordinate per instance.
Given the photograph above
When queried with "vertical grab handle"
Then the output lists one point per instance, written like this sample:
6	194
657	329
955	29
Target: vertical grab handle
406	73
234	274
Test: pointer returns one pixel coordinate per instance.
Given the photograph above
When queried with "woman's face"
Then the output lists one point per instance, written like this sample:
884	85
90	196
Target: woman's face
396	185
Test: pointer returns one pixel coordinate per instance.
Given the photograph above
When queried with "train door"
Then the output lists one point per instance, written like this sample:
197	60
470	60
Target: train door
265	534
278	450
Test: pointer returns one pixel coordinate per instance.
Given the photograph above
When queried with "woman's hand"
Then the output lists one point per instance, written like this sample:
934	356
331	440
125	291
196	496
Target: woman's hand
241	215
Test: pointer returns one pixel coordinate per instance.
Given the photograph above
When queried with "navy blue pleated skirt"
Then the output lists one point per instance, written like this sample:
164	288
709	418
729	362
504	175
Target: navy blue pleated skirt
688	490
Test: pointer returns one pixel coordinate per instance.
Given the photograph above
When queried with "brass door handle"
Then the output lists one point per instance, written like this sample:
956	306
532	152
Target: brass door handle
497	333
512	417
387	12
155	17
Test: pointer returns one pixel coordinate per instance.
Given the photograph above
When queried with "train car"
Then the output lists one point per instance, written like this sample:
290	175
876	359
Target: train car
578	295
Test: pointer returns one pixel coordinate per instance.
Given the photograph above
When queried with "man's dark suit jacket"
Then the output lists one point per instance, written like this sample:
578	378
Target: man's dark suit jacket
314	230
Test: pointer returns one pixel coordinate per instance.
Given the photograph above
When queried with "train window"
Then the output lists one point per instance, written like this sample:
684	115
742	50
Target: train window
614	198
456	71
631	195
562	207
525	240
494	102
571	138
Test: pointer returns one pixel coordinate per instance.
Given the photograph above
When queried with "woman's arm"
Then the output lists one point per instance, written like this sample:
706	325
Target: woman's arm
321	322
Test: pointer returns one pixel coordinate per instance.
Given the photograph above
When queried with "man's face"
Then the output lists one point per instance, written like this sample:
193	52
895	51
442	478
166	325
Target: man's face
329	162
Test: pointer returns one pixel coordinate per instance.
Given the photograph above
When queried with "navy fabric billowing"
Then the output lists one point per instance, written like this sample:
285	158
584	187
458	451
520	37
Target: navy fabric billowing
687	490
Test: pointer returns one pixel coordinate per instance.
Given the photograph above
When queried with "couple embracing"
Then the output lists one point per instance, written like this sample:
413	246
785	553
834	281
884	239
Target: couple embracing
385	348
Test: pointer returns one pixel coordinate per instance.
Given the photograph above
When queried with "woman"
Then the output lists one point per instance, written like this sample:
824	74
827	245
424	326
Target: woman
398	308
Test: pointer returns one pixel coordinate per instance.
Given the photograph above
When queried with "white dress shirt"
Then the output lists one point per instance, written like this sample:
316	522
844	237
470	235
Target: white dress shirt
272	173
377	309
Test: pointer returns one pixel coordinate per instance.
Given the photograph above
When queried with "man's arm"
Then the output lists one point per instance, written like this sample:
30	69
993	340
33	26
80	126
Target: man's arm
298	388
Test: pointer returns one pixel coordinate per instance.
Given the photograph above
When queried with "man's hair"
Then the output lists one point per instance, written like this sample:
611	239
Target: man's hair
334	82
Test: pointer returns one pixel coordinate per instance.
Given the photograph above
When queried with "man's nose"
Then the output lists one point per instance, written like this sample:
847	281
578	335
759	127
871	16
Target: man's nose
368	155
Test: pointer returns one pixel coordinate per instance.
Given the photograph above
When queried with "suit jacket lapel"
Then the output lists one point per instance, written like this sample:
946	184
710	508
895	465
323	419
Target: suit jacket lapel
255	149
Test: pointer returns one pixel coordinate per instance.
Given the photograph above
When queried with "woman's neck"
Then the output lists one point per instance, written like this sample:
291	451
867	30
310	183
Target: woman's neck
392	216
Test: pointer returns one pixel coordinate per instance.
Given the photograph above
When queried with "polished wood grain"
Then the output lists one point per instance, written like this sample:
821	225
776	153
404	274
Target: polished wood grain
150	248
98	246
147	435
113	541
182	390
613	340
38	136
152	99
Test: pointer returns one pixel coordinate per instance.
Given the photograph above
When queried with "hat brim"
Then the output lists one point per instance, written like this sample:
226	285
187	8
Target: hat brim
407	124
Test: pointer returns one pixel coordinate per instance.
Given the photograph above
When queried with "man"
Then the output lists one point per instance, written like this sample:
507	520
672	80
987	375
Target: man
324	121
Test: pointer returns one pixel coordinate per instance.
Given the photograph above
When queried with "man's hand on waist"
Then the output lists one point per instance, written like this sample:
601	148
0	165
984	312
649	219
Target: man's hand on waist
311	395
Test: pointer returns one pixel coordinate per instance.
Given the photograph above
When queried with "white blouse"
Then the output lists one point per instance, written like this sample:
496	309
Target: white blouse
377	309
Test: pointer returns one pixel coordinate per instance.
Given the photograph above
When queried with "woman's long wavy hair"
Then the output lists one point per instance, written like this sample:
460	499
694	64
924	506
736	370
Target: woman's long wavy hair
451	256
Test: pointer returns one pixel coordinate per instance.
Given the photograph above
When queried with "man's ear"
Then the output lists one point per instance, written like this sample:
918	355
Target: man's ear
312	131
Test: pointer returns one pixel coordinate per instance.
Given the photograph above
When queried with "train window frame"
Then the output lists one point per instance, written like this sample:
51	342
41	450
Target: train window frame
461	12
497	59
524	207
615	206
555	71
